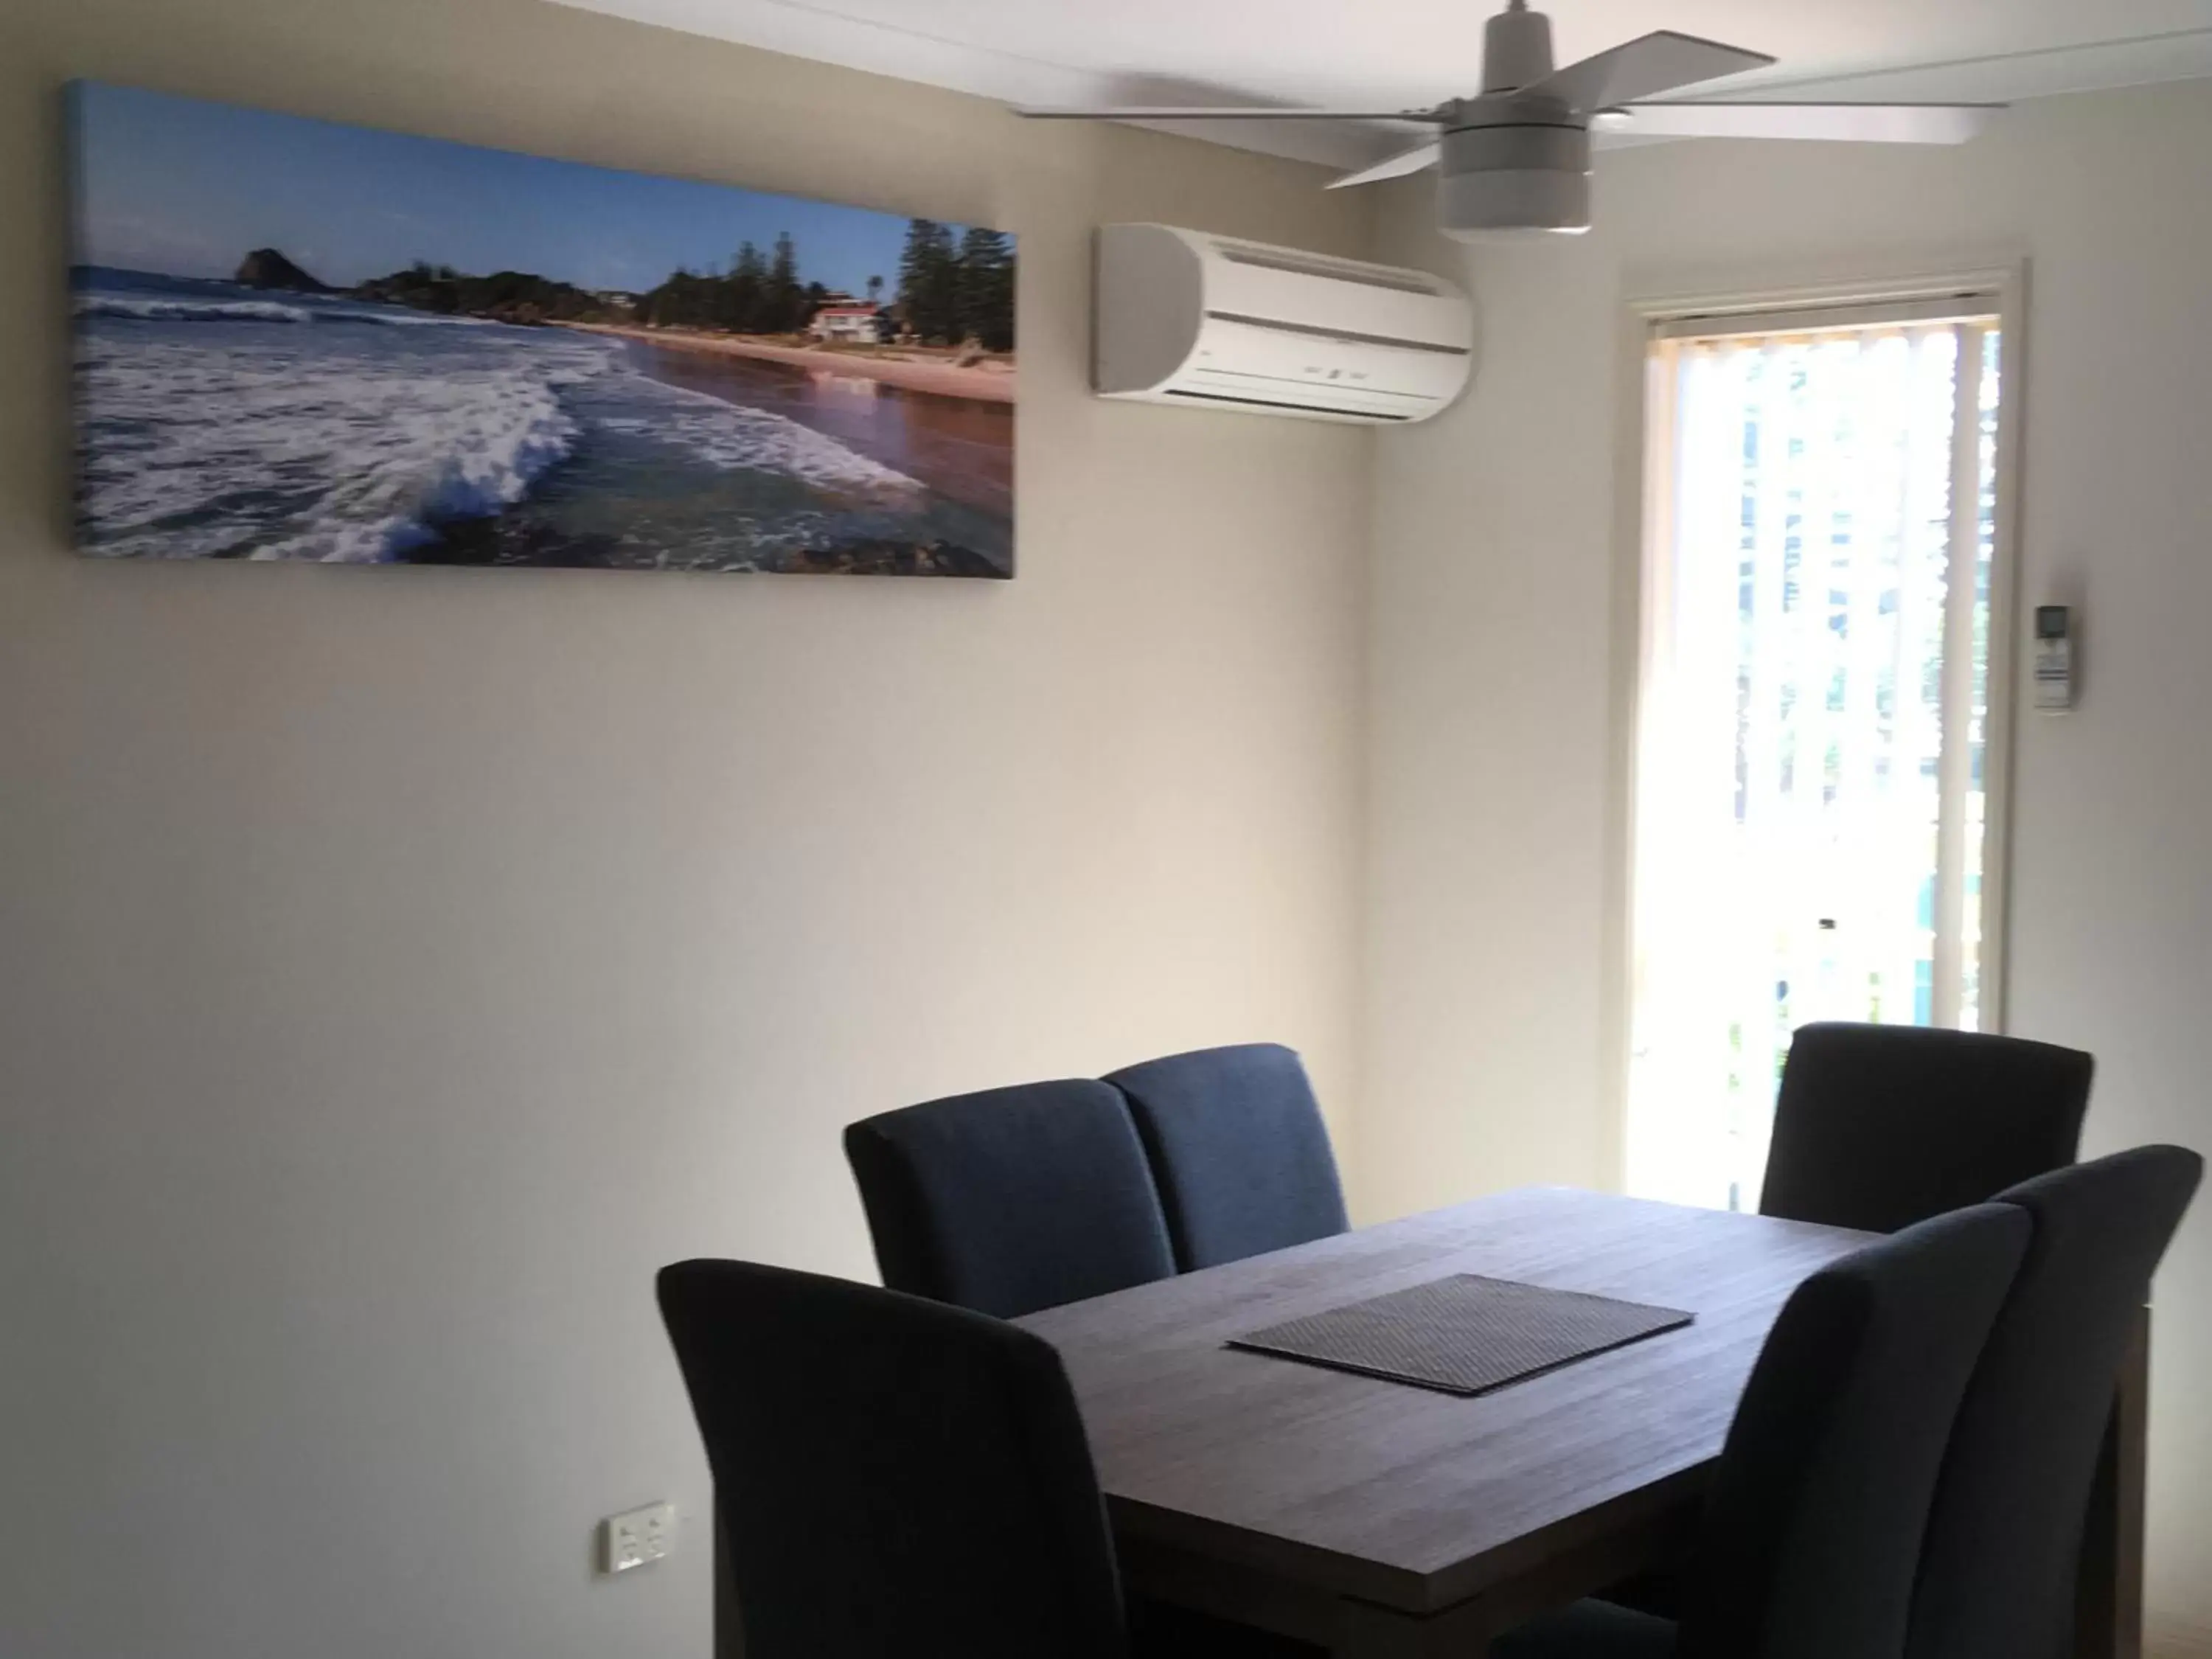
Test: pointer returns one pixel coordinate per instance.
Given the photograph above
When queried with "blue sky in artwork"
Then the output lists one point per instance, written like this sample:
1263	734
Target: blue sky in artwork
187	188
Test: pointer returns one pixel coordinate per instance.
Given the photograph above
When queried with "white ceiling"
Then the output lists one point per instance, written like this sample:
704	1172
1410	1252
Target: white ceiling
1402	53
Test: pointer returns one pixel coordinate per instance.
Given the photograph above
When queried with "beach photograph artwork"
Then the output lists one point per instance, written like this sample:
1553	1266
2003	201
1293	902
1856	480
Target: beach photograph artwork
302	340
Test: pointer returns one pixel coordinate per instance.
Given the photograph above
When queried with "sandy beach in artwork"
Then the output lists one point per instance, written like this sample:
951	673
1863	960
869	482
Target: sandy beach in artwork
991	380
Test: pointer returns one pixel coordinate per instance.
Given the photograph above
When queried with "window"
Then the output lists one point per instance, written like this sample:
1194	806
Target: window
1813	834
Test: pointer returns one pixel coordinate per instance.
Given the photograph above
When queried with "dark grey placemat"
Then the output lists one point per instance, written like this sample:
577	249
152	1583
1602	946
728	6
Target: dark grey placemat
1465	1334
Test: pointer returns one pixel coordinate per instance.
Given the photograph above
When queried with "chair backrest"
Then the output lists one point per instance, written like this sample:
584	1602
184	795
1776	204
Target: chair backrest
895	1476
1878	1126
1238	1149
1821	1494
1998	1572
1012	1199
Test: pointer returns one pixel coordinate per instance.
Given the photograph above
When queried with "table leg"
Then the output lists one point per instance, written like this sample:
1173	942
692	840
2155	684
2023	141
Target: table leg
2108	1613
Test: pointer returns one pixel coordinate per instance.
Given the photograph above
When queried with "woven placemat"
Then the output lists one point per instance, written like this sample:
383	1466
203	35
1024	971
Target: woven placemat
1465	1334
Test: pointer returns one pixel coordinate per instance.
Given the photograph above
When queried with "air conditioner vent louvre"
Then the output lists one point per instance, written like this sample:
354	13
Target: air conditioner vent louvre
1185	317
1327	265
1277	403
1349	336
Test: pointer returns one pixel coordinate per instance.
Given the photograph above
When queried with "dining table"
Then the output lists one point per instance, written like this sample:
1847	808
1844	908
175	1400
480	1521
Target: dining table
1378	1520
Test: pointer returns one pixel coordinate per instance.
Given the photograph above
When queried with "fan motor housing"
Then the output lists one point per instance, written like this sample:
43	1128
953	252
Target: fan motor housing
1513	168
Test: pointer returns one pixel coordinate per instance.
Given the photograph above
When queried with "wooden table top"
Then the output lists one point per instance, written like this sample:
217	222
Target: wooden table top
1403	1497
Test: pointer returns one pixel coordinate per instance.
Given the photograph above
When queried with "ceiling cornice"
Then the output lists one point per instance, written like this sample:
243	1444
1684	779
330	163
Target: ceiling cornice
860	43
826	35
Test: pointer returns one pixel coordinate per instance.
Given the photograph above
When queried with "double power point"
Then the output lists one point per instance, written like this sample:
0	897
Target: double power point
636	1537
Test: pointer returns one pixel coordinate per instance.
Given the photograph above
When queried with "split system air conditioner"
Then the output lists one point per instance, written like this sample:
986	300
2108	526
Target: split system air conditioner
1210	322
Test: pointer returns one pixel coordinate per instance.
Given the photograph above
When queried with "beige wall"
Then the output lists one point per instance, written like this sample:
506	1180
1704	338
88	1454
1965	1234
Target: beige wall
399	965
396	966
1496	661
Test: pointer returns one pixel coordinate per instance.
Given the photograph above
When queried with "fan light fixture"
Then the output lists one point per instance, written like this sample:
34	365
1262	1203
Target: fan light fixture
1516	157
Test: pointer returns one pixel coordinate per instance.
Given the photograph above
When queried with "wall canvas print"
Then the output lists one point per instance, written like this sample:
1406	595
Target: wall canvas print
299	340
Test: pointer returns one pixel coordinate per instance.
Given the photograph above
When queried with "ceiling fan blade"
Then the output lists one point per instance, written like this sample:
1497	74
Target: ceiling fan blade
1868	124
1393	166
1241	113
1645	68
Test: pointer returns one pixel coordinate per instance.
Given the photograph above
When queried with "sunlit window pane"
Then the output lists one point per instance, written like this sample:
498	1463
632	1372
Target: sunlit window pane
1792	782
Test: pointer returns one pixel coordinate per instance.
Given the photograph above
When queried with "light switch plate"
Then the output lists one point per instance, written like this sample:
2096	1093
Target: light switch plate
636	1536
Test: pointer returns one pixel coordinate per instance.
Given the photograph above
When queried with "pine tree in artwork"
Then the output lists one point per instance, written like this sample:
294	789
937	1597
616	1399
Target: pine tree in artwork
985	289
785	298
748	282
929	281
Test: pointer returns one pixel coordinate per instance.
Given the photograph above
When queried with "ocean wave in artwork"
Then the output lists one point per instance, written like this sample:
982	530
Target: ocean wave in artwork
207	433
730	437
140	309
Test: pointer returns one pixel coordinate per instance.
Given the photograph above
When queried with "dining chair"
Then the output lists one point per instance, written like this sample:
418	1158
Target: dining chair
1238	1149
1877	1127
895	1476
1814	1517
1997	1573
1012	1199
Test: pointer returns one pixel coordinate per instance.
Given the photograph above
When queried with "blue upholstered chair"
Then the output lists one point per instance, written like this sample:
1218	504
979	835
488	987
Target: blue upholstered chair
1012	1199
1812	1533
895	1476
1238	1151
1998	1572
1877	1127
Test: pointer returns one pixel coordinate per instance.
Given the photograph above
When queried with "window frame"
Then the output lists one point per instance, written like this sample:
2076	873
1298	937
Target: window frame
1998	289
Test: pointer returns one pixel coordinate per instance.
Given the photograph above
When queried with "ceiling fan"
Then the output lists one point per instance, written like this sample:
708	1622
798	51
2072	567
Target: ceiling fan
1516	156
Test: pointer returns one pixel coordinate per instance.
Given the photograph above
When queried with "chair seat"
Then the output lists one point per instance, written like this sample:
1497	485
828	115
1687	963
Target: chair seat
1589	1630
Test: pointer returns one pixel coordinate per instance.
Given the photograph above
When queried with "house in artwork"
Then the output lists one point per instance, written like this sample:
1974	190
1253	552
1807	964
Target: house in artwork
845	319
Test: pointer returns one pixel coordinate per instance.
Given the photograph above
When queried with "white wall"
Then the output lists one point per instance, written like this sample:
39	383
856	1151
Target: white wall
397	966
1496	649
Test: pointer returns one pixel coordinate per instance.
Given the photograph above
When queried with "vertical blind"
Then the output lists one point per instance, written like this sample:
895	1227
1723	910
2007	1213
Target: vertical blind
1810	809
